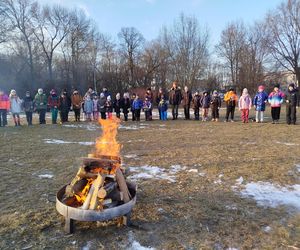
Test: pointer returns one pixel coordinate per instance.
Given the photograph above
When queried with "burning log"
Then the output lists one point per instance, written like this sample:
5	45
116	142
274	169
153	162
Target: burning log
108	188
97	162
97	184
122	185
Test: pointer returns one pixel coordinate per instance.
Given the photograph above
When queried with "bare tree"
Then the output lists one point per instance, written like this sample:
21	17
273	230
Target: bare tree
52	24
187	46
131	41
283	35
231	47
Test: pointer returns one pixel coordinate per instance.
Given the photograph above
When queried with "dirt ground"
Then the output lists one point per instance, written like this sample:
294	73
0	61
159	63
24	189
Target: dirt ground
195	211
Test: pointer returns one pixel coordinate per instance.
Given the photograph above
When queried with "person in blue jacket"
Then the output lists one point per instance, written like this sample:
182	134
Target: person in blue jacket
259	102
137	105
163	108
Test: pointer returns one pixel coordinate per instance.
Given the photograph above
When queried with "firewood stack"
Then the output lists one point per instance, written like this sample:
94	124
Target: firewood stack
99	184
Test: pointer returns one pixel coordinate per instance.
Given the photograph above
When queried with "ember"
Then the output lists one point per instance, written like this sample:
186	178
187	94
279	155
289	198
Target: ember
99	190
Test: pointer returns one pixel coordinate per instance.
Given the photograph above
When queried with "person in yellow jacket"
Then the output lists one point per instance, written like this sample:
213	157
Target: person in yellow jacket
231	100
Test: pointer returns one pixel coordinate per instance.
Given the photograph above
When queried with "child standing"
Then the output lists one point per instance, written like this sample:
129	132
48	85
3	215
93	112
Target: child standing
275	99
196	105
109	107
76	101
28	107
205	103
53	103
245	105
4	107
102	107
231	100
163	108
133	96
117	105
88	107
15	107
125	104
215	106
137	105
96	107
40	101
260	100
292	101
147	107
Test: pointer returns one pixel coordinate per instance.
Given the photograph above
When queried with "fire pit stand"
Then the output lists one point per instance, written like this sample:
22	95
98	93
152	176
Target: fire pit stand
72	213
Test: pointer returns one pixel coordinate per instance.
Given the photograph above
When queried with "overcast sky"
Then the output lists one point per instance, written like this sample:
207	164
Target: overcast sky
148	16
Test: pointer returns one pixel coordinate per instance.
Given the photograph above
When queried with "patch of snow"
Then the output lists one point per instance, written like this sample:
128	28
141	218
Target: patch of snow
298	167
268	194
221	175
240	180
232	248
55	141
87	126
154	172
134	244
231	207
267	229
132	127
219	181
130	156
162	125
288	143
202	174
193	170
45	176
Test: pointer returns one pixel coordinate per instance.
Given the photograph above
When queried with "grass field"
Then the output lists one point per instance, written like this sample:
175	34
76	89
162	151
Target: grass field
191	177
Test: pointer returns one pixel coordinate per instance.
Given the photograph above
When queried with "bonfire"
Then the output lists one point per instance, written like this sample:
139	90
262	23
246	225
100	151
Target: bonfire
99	190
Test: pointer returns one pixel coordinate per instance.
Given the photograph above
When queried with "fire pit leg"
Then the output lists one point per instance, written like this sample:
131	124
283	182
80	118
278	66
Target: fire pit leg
69	225
127	219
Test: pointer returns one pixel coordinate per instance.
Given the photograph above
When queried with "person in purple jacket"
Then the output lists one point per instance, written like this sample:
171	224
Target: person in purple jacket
259	102
275	99
205	103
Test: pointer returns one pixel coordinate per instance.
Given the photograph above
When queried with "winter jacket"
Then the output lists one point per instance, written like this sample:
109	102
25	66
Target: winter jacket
15	105
53	101
28	104
245	102
64	103
149	96
76	101
117	105
109	106
293	98
259	101
159	95
125	105
163	106
276	99
40	101
147	105
231	98
102	103
196	102
216	102
88	106
205	101
96	105
137	104
187	98
4	102
175	96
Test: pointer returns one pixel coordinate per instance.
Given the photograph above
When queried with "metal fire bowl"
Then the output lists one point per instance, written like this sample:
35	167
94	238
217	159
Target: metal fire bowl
93	215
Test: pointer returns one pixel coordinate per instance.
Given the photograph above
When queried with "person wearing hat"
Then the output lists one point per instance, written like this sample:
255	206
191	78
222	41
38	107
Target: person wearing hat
76	100
275	99
4	107
231	100
40	101
64	106
28	107
259	102
216	103
292	101
245	104
15	106
53	103
205	104
196	105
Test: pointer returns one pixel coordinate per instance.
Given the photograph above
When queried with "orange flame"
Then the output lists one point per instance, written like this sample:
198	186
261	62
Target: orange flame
107	143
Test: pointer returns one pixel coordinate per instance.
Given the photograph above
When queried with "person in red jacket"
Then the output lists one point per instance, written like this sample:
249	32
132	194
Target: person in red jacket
4	107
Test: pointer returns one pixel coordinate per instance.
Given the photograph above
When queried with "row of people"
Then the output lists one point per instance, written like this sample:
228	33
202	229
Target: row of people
92	104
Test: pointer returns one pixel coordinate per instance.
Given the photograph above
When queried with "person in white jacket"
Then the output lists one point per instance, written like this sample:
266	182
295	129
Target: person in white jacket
15	107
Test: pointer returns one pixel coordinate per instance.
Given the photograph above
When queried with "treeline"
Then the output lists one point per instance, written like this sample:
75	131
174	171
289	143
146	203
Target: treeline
52	46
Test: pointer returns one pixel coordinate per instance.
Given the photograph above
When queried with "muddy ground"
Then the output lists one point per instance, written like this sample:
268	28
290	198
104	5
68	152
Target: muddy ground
196	209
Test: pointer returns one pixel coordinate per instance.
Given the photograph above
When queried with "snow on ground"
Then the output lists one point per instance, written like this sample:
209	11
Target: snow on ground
87	126
45	176
298	167
154	172
133	127
288	143
134	244
270	195
55	141
130	156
